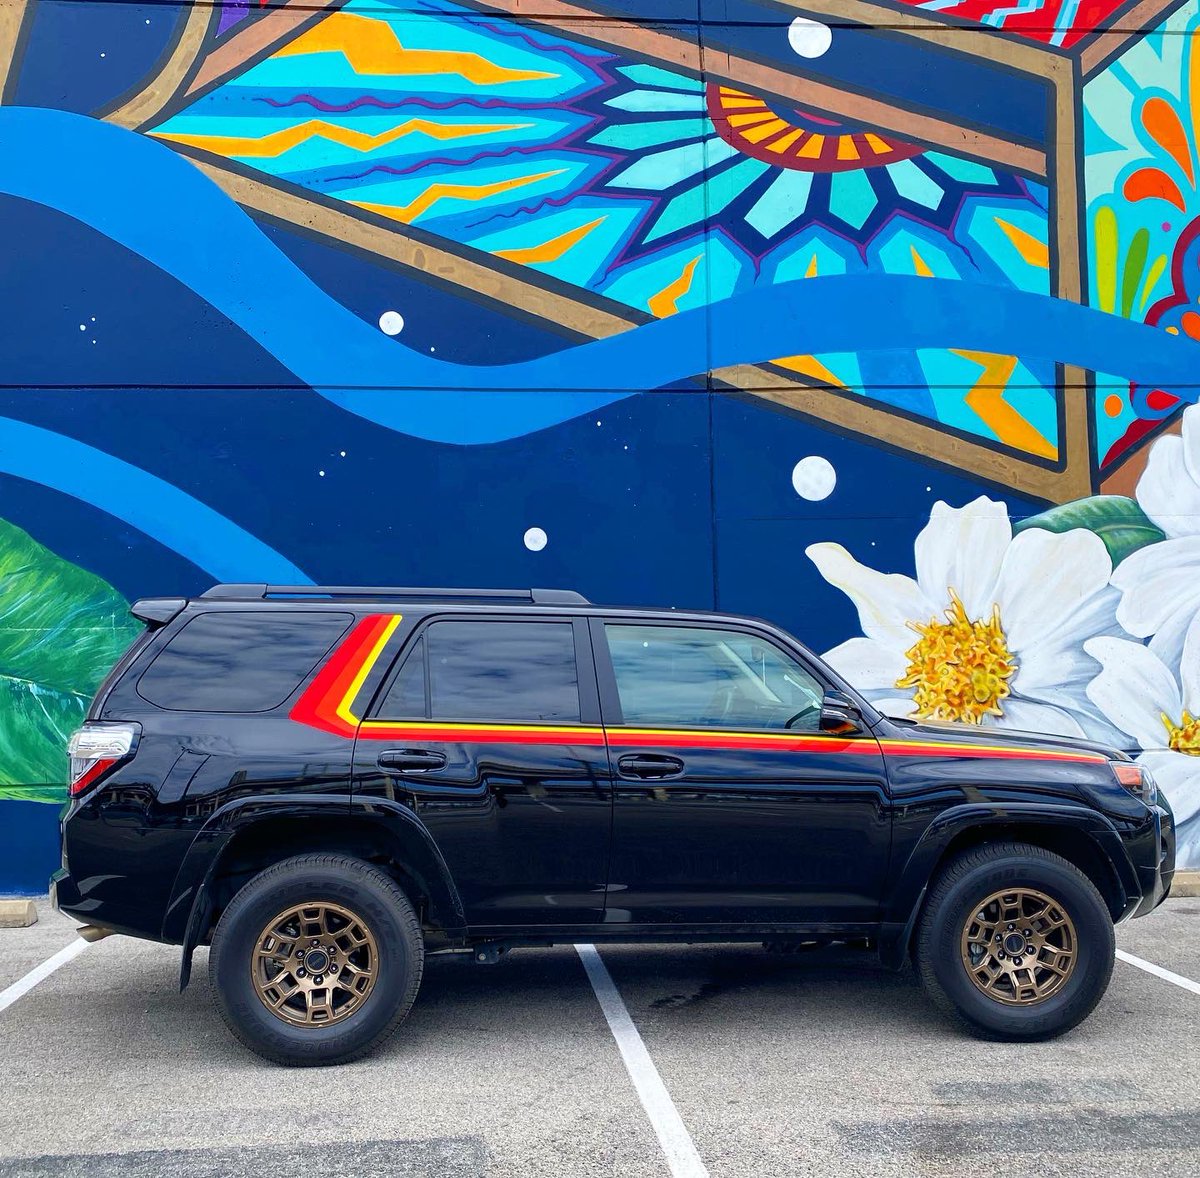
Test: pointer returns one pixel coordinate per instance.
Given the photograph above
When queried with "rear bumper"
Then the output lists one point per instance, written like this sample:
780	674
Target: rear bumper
64	895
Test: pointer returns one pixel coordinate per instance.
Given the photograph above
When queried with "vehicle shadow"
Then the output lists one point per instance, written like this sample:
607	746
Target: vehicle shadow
739	985
535	999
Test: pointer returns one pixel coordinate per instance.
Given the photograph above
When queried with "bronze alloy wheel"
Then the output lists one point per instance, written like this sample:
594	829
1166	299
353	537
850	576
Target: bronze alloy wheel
315	964
1019	946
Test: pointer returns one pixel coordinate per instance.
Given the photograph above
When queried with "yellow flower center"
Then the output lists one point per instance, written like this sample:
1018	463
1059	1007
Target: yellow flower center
1183	737
960	668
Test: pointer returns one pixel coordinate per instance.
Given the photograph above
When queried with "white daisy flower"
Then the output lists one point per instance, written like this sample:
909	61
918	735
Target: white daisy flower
1160	584
1159	706
991	631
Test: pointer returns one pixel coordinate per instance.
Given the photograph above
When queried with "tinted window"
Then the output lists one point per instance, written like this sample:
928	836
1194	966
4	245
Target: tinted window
684	677
523	671
405	699
239	662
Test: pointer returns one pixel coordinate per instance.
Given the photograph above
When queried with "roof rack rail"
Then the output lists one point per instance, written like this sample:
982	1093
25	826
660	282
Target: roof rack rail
262	592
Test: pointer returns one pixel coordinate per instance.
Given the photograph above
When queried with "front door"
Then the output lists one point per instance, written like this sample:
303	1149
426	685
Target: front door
489	729
731	805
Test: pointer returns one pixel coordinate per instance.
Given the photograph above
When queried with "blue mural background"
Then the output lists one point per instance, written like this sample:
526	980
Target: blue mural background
813	352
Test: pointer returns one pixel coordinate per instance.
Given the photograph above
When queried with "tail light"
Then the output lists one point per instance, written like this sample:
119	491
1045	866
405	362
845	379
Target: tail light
95	749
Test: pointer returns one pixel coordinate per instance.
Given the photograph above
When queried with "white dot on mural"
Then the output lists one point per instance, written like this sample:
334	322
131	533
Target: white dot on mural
321	473
809	38
535	539
391	323
814	478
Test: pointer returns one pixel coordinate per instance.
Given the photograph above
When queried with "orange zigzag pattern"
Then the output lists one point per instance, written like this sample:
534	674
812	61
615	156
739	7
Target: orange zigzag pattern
276	143
440	190
372	46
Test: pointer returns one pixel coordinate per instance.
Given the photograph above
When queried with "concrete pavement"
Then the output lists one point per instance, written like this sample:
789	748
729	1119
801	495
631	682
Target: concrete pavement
816	1064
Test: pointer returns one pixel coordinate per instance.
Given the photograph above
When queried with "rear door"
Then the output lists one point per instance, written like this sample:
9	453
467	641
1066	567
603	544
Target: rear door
731	805
489	728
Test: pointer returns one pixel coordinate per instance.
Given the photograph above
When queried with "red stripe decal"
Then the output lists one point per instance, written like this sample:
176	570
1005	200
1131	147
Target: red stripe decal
317	706
482	734
733	741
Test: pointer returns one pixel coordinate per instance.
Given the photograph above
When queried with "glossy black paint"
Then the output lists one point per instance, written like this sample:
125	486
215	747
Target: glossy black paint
536	841
524	828
781	837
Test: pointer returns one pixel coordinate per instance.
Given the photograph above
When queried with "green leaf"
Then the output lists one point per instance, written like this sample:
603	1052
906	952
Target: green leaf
1117	520
61	630
54	795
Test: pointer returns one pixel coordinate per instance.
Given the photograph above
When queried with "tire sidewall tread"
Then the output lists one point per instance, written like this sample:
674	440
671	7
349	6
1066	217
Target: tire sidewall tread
961	885
366	890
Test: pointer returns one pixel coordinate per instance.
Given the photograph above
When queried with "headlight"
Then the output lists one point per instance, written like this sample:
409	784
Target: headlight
1137	779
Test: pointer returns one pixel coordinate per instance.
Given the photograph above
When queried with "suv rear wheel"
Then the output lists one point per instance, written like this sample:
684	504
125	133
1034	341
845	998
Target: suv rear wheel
316	960
1016	942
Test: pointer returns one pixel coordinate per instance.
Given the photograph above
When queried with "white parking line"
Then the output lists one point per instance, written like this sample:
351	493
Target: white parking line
676	1141
1159	972
41	972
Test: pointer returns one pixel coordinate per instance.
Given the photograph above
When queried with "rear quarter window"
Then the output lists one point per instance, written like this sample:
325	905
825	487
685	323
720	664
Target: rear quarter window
239	662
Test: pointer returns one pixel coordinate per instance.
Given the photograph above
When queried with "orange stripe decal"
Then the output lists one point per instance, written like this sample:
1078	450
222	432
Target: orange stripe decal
325	702
328	700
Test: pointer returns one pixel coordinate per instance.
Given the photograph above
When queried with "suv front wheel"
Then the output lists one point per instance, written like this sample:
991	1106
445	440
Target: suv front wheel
316	960
1016	942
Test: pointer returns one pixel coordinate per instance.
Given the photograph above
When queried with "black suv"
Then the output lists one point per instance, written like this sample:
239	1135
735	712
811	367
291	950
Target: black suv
327	783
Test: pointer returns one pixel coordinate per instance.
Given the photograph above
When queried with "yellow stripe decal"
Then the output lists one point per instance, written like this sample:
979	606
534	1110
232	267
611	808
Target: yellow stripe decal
343	708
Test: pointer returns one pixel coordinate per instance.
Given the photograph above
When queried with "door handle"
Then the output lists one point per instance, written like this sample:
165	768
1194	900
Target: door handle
411	760
650	766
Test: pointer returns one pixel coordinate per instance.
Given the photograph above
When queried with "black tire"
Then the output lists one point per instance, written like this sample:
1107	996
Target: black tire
957	893
351	884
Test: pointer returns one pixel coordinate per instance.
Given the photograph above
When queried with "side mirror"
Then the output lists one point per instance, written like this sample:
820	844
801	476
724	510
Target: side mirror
840	715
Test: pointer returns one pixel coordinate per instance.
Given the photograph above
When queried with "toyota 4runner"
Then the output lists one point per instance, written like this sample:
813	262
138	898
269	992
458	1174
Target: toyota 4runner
327	783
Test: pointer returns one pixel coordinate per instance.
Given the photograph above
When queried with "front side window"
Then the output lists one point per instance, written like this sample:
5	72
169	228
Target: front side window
519	672
696	677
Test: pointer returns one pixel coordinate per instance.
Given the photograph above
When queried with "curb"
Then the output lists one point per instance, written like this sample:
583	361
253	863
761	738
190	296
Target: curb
17	913
1186	884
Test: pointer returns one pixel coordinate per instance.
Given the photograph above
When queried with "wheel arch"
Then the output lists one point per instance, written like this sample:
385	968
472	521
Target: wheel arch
1084	837
239	842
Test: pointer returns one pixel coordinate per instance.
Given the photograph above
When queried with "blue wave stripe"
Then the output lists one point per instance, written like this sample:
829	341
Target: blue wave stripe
141	194
153	506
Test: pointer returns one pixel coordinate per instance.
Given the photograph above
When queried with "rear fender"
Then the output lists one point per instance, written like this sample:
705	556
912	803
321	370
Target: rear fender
190	910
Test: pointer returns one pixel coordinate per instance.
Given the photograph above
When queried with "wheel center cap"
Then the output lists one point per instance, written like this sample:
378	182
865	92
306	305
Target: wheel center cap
1014	943
316	961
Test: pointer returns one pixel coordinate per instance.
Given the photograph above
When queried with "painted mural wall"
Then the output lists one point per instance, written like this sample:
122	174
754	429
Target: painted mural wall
879	319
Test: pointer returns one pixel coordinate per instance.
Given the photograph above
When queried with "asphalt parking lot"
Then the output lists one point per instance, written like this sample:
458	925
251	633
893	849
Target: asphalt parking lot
818	1064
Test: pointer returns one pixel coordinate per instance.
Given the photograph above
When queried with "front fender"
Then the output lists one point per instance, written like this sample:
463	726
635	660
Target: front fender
190	908
908	893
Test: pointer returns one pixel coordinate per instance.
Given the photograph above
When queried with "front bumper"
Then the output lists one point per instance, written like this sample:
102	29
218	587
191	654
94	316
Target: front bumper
1155	861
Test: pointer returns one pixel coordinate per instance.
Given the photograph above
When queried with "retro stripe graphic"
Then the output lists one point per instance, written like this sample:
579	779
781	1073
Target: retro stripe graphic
327	703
